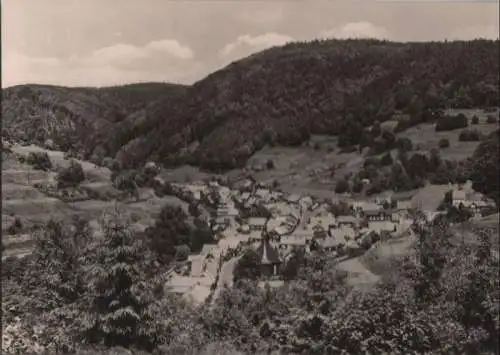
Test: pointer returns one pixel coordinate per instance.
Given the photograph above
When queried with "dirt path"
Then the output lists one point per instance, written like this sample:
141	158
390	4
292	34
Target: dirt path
225	277
359	274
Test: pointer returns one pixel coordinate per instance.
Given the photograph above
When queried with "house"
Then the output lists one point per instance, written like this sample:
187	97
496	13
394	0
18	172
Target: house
257	223
403	204
221	223
362	206
325	221
381	215
244	196
346	220
293	198
382	225
307	233
330	243
269	258
343	233
287	241
263	194
459	197
255	236
228	243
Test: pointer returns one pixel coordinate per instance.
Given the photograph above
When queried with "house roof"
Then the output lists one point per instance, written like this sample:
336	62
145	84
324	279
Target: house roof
255	235
341	233
267	253
459	195
293	240
370	207
257	221
303	232
346	219
293	198
377	213
330	242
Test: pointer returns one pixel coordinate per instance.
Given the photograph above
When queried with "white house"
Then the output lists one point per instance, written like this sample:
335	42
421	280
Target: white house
257	223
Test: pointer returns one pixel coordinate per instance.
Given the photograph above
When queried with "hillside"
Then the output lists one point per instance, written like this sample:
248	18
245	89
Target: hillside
280	96
284	94
70	117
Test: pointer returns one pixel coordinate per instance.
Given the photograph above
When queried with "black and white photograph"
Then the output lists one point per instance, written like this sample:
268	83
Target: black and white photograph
250	177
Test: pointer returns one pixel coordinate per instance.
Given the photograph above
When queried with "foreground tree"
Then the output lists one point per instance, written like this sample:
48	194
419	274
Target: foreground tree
484	174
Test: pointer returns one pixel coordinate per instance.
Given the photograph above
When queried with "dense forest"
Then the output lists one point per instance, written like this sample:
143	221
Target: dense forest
71	117
279	96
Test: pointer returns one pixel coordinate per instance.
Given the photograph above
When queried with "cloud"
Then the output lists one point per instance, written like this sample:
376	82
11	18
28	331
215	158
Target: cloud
164	60
361	29
127	55
246	45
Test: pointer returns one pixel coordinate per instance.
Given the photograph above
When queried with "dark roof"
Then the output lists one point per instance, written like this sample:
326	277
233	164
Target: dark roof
267	253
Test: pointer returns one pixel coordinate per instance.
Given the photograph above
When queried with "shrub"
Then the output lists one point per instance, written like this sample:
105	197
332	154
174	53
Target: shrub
357	186
404	144
491	119
444	143
386	160
449	123
182	252
342	187
15	227
475	120
469	136
71	176
39	161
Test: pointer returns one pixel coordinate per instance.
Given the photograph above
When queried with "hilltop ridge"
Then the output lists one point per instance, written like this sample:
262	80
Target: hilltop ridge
279	96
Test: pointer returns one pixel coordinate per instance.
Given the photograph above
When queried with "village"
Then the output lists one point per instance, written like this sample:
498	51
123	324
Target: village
274	224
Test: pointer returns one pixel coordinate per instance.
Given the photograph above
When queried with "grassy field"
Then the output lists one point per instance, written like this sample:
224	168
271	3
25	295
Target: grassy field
21	199
306	168
380	258
425	138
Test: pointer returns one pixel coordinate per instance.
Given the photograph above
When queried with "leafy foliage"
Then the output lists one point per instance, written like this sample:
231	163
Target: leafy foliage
449	123
484	174
39	160
71	176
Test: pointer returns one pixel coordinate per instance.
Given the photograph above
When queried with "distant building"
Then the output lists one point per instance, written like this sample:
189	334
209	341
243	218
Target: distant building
381	215
269	258
257	223
346	220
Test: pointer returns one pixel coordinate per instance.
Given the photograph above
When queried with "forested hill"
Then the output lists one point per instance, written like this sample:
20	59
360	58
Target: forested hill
70	117
284	94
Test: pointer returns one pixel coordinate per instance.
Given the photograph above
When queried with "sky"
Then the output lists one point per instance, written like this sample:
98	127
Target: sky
112	42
